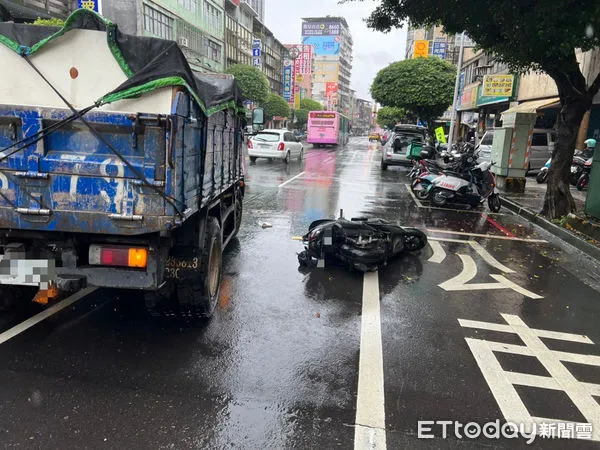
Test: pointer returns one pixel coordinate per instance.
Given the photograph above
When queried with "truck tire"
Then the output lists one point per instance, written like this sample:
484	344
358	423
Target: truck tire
198	299
239	210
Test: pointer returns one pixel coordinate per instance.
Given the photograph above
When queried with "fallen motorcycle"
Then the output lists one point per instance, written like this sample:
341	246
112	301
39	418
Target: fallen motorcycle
363	244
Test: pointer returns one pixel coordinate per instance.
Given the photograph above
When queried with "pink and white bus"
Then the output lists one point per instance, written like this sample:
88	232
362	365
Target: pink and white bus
327	128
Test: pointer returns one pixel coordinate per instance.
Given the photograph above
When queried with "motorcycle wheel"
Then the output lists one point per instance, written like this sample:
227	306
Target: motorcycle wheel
414	240
423	194
438	198
494	203
542	176
582	182
575	178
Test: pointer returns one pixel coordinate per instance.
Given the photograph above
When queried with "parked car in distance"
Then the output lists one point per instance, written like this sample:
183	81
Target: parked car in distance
374	137
543	142
275	144
300	134
394	153
485	146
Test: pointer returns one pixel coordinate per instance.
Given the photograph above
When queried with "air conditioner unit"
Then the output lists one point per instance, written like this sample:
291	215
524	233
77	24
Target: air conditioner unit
183	41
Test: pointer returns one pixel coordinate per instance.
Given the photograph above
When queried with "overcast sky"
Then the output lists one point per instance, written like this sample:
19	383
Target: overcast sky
372	50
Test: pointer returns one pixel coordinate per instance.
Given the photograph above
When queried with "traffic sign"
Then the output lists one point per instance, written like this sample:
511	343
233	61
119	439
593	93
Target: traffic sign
256	52
256	61
421	49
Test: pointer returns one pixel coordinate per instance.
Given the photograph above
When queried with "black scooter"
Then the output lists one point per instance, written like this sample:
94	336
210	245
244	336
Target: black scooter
361	243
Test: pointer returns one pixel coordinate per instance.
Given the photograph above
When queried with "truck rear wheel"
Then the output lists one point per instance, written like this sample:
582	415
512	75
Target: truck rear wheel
198	299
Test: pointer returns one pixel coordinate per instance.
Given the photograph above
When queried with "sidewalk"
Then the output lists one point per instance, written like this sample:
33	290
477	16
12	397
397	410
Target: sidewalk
577	229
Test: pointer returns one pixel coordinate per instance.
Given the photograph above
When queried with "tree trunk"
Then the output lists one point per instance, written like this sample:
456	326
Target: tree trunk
559	201
575	99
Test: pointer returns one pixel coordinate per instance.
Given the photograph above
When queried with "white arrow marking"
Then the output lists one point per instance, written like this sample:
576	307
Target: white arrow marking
438	252
459	282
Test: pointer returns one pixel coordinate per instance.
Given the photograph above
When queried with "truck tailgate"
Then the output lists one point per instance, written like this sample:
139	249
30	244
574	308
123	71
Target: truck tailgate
71	181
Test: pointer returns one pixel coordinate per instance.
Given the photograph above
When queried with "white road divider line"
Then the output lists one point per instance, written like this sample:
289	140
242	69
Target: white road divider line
32	321
369	432
438	252
419	204
291	179
488	236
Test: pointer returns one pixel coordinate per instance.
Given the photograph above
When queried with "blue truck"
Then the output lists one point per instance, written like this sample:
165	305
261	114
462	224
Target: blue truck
120	167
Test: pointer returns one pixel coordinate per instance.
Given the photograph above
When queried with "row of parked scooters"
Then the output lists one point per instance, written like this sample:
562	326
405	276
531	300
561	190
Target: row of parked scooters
445	176
581	166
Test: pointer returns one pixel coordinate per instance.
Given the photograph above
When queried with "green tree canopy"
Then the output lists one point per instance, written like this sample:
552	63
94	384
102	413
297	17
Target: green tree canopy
252	82
301	117
422	86
276	106
388	116
525	34
310	105
53	22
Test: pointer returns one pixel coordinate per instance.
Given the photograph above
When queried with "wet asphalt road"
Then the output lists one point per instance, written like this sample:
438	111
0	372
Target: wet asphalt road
279	364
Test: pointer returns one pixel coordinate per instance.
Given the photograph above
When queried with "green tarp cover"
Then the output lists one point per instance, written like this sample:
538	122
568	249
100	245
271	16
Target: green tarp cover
150	63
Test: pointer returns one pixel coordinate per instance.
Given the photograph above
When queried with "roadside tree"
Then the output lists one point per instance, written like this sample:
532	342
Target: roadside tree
276	106
422	86
310	105
388	116
252	82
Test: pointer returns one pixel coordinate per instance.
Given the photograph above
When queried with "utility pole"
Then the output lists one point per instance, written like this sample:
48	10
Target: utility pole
456	87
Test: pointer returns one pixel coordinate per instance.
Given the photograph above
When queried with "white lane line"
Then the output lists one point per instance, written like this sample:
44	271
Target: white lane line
369	432
419	204
291	179
488	236
438	252
23	326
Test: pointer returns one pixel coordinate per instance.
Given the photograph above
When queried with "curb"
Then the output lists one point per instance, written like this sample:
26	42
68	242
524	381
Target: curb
557	231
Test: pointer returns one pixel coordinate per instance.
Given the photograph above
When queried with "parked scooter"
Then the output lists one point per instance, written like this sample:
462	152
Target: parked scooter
584	179
480	186
580	159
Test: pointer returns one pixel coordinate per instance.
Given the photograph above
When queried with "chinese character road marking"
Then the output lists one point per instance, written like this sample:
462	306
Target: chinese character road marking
502	382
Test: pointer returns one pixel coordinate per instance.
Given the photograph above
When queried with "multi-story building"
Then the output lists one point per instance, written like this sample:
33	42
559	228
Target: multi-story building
239	25
256	5
438	44
272	54
198	26
361	122
24	11
332	61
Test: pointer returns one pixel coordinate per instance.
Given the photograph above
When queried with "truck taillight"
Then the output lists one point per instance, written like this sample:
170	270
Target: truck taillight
119	256
281	147
250	144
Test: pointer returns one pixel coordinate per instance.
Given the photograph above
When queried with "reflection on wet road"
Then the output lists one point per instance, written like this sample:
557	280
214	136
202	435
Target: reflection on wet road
494	319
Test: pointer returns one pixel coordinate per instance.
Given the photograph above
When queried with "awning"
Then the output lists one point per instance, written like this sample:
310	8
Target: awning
534	106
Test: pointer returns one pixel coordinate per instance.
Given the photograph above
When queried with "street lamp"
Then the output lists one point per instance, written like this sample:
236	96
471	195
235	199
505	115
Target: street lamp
456	87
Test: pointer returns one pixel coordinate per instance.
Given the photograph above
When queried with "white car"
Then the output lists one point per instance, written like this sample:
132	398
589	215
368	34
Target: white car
275	144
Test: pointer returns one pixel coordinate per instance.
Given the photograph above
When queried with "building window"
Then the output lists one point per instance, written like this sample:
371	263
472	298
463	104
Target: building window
189	5
213	50
158	23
